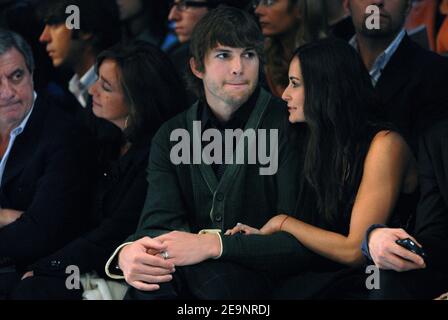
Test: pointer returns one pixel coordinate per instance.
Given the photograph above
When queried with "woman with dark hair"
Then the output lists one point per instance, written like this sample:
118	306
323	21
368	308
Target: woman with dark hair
356	173
134	92
287	24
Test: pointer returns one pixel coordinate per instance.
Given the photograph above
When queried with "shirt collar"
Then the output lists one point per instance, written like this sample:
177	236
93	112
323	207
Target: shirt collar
383	59
19	129
86	80
79	86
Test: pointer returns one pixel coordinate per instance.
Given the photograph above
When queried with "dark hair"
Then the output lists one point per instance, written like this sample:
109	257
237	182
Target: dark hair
97	17
312	26
158	16
227	26
9	40
155	14
339	111
241	4
152	89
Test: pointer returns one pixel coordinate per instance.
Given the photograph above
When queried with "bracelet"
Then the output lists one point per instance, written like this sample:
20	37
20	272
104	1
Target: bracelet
281	224
218	233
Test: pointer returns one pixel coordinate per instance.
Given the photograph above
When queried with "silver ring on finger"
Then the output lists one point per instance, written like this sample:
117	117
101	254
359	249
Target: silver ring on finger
165	255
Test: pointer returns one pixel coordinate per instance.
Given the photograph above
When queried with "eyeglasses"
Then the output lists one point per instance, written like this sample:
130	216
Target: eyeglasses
266	3
183	5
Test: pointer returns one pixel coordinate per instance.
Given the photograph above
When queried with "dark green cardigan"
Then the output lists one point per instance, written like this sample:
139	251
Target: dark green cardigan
189	197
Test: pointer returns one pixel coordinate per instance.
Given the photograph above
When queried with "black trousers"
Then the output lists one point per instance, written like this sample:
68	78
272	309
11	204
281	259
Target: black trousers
350	284
424	284
211	280
344	284
44	288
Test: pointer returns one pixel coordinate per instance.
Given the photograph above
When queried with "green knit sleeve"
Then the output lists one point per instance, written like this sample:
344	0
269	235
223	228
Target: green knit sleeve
279	253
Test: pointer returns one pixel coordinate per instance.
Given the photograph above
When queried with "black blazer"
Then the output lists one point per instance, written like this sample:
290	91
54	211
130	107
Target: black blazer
46	176
119	199
101	130
414	89
432	215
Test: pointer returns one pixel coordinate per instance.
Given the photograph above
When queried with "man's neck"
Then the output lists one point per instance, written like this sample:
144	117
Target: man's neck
336	12
84	64
4	141
370	48
5	131
224	113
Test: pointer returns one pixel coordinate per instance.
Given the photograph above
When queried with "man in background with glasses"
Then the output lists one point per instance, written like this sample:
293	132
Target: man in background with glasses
185	15
266	3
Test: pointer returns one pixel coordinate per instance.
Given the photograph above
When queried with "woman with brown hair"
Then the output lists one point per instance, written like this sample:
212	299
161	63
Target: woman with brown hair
287	24
134	92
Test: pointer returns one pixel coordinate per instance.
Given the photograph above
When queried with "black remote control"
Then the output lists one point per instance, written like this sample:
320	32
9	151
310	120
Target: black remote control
411	246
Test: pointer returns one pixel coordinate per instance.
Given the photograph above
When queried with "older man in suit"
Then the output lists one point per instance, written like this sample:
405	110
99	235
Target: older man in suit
43	170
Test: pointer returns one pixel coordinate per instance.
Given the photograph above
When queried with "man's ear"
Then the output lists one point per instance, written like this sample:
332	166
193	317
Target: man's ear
194	69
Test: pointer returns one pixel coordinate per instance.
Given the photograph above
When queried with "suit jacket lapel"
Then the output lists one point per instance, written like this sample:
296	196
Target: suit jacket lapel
24	144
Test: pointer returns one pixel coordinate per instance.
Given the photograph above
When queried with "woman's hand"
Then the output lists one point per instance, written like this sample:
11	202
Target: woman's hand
273	225
242	228
8	216
29	274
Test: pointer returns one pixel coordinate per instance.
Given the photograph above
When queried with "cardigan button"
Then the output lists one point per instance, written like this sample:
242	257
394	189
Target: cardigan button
219	197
